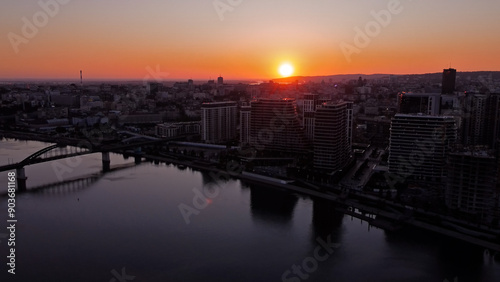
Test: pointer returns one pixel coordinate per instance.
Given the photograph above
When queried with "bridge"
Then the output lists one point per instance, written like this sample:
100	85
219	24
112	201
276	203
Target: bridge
64	150
72	185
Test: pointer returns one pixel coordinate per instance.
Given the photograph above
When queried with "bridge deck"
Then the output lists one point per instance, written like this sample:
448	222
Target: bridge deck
35	157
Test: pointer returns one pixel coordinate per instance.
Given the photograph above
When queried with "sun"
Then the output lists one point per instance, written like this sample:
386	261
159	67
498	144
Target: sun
286	70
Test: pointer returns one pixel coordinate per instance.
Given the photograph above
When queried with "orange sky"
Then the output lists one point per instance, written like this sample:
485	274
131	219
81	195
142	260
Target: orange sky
190	39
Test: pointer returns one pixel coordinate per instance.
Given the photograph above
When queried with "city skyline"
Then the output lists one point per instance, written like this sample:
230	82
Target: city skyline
382	166
55	39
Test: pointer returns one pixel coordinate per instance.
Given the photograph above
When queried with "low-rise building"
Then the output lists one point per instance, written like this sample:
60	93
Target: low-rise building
168	130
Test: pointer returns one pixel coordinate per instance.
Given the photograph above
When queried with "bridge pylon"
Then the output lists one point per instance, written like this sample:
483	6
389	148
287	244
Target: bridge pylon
137	160
106	162
21	179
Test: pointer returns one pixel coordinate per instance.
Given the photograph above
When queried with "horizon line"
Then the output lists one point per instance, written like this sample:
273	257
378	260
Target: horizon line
94	79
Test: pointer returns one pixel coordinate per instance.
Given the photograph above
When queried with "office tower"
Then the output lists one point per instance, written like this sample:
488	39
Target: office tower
220	86
449	77
481	120
473	122
311	103
419	103
332	135
472	181
218	122
275	126
492	120
350	123
309	108
245	114
419	145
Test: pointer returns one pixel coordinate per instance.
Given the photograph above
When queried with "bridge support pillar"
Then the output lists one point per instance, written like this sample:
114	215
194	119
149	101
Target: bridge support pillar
106	162
21	179
138	159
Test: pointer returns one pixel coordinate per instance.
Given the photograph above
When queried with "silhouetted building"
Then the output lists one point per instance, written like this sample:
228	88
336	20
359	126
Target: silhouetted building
168	130
492	120
419	145
377	129
218	122
332	135
275	126
245	114
419	103
448	84
481	120
473	123
309	108
65	100
154	87
220	86
472	181
141	119
311	104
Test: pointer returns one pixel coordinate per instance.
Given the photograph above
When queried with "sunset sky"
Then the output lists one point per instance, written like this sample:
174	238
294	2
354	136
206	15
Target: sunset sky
125	39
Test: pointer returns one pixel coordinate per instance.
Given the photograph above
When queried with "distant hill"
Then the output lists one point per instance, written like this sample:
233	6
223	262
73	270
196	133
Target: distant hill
326	78
346	77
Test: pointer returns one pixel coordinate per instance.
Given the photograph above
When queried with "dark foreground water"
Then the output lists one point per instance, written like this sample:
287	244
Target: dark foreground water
126	225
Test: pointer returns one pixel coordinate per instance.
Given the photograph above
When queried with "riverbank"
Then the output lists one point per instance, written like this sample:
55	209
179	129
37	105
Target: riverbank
347	202
267	223
388	220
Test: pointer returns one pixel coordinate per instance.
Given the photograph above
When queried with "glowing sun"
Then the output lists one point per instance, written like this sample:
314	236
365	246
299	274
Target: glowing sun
286	70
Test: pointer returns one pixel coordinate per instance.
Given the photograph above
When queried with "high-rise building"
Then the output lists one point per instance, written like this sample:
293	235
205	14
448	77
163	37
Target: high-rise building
449	77
309	108
311	103
472	181
245	114
473	122
275	126
481	120
492	120
218	121
332	135
350	123
419	145
419	103
220	86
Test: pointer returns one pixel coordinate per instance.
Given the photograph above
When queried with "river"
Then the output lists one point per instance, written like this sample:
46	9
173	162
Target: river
127	225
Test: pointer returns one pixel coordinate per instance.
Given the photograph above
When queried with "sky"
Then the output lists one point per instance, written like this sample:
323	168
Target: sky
243	39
